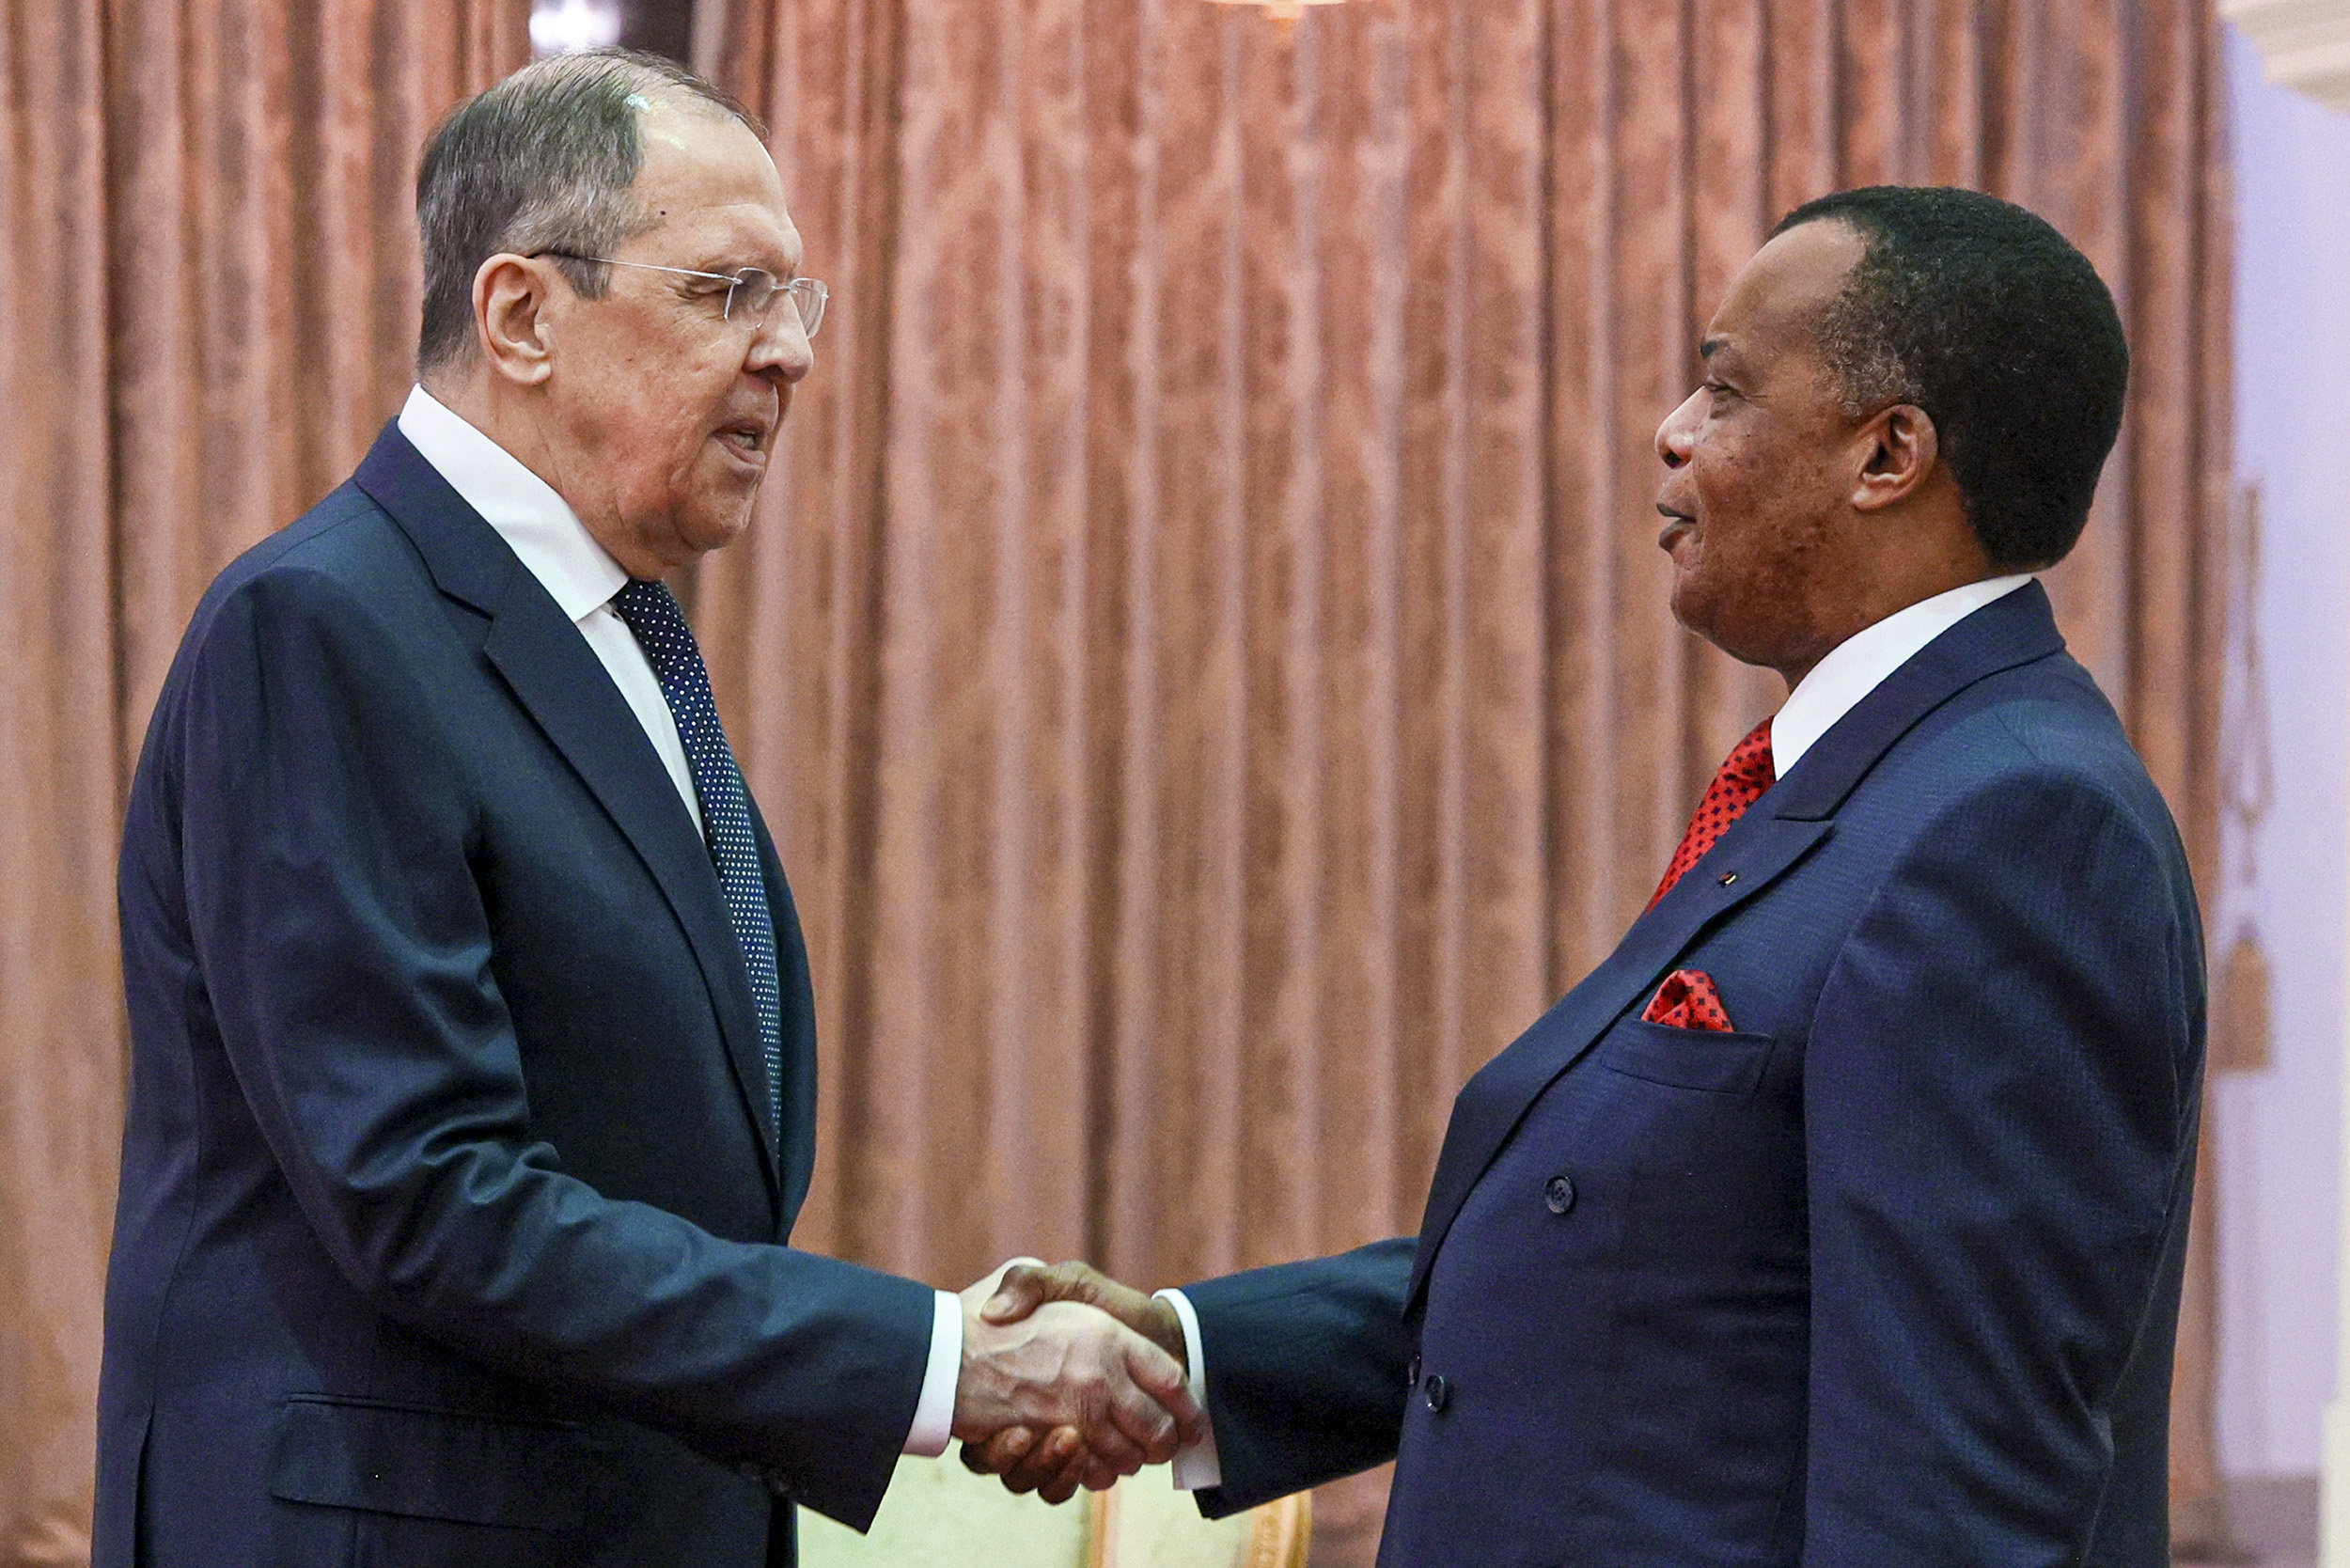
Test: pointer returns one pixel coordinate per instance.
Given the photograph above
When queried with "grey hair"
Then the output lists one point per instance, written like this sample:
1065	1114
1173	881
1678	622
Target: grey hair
1868	372
542	160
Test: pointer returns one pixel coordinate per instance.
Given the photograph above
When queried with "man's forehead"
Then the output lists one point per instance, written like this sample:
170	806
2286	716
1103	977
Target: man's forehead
710	176
719	160
681	121
1782	289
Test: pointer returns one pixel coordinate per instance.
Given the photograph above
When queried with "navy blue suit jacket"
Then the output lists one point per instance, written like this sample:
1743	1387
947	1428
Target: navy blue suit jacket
1888	1277
452	1227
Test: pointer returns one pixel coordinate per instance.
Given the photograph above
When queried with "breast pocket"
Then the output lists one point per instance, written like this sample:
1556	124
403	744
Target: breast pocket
1713	1061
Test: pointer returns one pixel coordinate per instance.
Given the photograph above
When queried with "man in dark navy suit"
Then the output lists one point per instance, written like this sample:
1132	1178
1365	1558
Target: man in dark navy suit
1836	1218
472	1068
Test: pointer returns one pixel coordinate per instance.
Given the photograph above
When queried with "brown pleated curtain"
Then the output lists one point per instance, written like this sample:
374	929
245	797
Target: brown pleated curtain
1204	650
1209	649
208	297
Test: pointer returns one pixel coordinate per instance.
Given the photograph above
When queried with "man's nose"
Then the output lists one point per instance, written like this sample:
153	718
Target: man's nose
779	345
1674	436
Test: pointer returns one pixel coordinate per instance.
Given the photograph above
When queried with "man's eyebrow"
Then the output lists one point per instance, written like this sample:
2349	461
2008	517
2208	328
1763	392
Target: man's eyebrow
724	256
727	263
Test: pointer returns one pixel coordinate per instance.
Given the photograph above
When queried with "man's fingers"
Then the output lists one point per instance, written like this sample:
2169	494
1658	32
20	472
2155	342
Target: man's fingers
1059	1488
1025	1286
1063	1449
1063	1484
999	1453
1040	1471
1143	1422
1158	1374
1114	1441
1155	1407
1052	1468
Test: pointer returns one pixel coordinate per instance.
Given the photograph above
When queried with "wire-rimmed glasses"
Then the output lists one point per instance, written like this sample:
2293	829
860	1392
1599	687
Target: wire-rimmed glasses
754	289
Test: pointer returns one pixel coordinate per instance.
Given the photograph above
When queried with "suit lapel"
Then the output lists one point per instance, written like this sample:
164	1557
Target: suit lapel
2017	630
797	1158
1797	814
560	681
1497	1098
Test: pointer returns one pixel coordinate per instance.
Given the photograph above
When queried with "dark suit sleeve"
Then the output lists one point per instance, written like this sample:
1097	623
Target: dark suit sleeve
343	942
1305	1366
1999	1095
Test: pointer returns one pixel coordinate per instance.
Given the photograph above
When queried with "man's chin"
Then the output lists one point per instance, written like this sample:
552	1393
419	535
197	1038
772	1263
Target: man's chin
719	523
1695	611
1687	600
1746	644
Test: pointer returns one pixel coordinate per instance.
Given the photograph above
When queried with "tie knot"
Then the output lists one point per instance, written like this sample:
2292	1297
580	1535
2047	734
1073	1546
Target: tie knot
1749	763
651	612
1745	775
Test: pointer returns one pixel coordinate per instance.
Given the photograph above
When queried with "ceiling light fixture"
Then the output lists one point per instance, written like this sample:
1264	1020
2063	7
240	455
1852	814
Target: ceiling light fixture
1283	12
561	26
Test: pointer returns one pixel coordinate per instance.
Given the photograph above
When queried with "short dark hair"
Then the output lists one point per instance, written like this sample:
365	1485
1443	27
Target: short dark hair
542	160
1983	315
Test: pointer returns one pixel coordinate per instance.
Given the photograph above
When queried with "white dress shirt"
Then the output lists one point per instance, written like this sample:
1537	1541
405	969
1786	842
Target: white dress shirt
1852	669
581	577
1859	664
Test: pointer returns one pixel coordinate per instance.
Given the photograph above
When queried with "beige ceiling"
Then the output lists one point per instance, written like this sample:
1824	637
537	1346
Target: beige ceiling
2304	44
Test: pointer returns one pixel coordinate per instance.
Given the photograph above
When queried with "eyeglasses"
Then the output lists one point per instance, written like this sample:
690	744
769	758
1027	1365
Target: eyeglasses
752	287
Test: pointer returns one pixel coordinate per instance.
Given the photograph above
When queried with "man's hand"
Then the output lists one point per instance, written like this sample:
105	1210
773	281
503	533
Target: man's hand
1109	1400
1022	1287
1056	1464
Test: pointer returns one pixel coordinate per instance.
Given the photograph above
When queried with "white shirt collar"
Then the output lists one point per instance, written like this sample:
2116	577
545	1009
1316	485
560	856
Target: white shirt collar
1859	664
537	523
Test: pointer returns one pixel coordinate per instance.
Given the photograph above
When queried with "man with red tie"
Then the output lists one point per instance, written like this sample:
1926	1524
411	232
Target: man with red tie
1836	1218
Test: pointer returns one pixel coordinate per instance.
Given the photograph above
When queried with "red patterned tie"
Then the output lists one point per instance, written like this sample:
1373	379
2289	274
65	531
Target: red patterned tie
1746	773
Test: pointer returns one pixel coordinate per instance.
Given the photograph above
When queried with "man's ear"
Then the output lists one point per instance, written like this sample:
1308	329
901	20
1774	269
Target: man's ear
1898	450
511	299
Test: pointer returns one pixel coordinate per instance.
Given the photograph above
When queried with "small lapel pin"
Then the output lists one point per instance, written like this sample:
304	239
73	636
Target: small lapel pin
1729	877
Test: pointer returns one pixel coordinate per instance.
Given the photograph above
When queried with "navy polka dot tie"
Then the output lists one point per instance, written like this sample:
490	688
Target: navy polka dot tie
1746	773
651	612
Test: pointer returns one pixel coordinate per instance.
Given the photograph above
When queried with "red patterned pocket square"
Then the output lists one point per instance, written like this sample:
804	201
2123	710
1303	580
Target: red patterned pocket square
1688	1000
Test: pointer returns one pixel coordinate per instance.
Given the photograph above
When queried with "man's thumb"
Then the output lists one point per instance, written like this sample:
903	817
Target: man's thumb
1020	1292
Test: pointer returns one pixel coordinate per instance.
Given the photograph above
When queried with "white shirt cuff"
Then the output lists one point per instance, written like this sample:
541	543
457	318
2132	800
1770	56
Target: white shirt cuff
935	1412
1196	1468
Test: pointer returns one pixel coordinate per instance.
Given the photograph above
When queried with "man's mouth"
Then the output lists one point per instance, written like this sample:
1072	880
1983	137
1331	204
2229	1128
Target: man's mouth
1676	523
745	438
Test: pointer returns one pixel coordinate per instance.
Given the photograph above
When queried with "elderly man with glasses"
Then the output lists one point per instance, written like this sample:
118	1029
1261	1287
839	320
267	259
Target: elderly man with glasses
473	1067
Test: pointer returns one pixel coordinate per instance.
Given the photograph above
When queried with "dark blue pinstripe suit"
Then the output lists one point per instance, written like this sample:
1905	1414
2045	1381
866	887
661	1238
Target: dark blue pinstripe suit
1889	1277
450	1200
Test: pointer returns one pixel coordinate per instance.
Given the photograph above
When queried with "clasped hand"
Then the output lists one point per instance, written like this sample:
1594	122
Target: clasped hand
1069	1379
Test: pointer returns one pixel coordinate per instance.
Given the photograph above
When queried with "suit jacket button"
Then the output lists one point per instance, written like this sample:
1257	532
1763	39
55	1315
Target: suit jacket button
1559	1194
1438	1391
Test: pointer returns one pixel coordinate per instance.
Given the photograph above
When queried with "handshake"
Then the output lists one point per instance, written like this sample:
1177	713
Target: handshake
1070	1379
